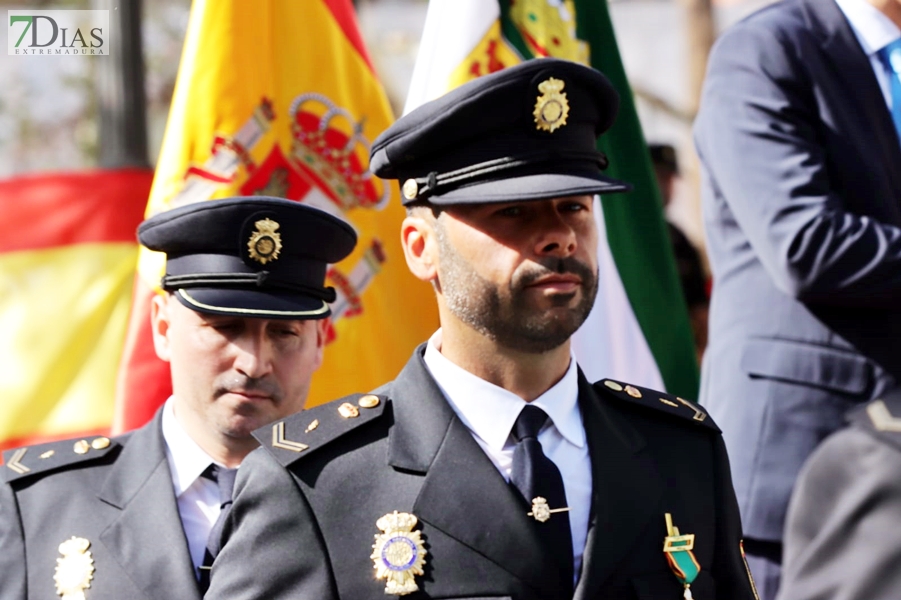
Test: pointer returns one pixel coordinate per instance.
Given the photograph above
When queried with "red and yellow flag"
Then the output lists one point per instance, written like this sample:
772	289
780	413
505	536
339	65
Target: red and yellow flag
279	97
67	258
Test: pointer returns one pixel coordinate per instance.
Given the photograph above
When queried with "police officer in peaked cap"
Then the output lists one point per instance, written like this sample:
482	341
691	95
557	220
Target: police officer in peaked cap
490	467
242	324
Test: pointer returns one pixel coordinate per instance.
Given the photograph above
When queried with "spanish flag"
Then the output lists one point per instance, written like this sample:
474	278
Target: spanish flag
639	328
279	98
67	259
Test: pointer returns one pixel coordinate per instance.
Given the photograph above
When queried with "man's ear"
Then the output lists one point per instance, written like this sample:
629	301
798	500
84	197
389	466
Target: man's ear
160	320
417	236
322	329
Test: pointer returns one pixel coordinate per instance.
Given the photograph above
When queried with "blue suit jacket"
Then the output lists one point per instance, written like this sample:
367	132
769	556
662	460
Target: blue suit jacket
802	212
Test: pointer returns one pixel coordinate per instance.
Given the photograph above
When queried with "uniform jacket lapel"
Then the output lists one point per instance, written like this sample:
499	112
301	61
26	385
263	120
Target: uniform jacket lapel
622	503
147	535
480	510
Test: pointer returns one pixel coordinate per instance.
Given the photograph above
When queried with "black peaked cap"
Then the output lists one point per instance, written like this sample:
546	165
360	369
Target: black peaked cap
251	256
527	132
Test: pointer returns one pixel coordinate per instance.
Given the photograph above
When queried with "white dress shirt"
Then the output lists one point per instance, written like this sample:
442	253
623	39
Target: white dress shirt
874	31
490	412
197	497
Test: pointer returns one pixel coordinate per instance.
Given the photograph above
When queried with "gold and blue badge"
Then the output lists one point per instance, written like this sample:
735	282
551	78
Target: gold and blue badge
398	553
678	550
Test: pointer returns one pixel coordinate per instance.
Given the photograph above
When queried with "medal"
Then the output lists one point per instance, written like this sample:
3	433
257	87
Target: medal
678	550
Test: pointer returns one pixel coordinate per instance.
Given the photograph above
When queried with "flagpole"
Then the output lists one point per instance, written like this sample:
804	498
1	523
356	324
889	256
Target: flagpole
120	89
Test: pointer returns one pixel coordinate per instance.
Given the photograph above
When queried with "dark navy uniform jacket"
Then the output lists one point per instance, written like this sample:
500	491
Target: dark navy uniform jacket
303	524
115	499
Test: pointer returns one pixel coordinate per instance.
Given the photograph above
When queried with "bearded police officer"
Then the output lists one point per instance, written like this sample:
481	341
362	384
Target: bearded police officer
490	467
242	324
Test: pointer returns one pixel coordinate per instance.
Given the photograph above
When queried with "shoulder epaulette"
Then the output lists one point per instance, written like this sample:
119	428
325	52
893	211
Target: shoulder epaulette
29	461
661	401
881	417
303	433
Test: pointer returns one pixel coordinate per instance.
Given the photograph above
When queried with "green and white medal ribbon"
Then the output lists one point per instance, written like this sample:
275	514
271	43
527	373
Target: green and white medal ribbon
678	550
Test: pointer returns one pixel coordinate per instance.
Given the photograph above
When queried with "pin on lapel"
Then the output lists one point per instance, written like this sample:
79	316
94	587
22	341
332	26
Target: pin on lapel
541	512
398	553
678	549
75	570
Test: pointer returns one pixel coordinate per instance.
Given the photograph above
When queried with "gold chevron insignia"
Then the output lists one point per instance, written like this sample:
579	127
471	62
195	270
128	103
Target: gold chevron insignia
700	415
882	418
14	463
279	441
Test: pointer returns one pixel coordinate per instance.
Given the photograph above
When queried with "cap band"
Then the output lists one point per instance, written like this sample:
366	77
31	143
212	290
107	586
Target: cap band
240	280
226	271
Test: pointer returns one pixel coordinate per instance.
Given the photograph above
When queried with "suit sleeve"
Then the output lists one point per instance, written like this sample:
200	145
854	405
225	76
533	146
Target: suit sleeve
760	139
733	578
12	557
841	533
271	546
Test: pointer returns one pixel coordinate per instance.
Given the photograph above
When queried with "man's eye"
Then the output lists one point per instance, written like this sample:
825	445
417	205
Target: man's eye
285	332
510	211
574	207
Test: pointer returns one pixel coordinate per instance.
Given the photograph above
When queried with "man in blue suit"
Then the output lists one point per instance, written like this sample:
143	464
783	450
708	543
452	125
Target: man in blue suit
802	210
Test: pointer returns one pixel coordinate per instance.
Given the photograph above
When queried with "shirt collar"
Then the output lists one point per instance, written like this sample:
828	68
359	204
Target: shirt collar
187	460
490	411
873	29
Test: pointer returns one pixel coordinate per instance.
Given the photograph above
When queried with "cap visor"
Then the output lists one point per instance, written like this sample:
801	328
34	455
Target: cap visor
253	303
541	186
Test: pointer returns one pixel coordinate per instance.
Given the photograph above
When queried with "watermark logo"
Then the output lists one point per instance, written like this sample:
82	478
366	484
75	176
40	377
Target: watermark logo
58	32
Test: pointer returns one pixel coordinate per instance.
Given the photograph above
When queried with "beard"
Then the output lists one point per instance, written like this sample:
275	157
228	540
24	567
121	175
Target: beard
505	314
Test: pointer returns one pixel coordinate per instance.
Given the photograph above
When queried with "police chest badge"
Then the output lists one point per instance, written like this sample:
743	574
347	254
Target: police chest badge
398	553
265	243
75	570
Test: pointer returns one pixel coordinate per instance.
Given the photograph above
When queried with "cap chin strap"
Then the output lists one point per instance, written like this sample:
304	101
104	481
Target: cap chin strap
242	280
431	183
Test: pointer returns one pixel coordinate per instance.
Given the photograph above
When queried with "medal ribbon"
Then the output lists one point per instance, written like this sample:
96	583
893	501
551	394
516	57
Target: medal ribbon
679	555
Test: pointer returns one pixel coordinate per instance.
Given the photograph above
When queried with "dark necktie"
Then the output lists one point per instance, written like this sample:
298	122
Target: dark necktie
891	58
536	476
225	478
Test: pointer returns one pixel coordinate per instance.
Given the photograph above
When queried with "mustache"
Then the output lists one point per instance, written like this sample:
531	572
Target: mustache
553	266
239	384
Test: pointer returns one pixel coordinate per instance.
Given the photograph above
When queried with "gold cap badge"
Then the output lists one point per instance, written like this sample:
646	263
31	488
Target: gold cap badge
265	243
75	570
552	107
398	553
